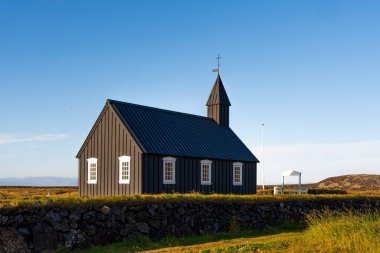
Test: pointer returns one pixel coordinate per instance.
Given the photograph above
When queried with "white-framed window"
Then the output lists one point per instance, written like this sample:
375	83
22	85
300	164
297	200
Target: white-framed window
237	174
206	172
169	170
124	169
92	170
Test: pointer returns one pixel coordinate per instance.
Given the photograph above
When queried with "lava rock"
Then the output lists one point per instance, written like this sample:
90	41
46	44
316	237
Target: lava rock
142	227
105	210
11	241
53	217
75	216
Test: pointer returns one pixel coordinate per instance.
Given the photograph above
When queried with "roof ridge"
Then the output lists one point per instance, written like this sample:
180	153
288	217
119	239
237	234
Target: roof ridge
159	109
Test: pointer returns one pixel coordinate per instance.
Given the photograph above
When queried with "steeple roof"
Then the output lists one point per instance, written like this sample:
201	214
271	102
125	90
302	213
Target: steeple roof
218	94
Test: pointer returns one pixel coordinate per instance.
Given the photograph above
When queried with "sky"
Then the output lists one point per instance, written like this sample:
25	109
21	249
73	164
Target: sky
308	70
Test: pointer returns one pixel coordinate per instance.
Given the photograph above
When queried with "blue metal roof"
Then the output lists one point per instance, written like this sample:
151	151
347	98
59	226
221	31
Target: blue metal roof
172	133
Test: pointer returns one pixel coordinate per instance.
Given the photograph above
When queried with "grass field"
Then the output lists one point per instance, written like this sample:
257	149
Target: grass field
68	196
205	242
13	195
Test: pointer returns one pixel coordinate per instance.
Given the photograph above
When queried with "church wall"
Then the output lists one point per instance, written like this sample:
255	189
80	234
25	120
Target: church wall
108	140
188	176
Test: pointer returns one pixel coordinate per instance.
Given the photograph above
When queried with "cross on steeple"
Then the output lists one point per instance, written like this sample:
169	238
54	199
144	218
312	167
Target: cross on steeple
218	58
218	69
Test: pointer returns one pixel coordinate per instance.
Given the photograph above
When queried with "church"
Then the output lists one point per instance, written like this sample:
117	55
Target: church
136	149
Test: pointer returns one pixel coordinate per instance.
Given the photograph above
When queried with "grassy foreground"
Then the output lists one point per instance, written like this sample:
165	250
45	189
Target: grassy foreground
332	231
326	231
196	243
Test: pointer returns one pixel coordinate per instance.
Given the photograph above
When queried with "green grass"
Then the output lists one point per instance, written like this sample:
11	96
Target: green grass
251	247
144	244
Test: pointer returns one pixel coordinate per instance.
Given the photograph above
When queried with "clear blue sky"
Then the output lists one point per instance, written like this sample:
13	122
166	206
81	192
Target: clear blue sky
309	70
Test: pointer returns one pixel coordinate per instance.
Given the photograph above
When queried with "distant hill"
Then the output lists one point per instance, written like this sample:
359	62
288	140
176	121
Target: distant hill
351	182
39	181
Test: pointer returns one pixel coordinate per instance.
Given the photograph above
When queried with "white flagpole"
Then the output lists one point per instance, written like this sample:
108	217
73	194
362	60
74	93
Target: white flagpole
262	157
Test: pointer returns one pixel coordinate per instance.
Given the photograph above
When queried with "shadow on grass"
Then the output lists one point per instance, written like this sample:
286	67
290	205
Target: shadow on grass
144	243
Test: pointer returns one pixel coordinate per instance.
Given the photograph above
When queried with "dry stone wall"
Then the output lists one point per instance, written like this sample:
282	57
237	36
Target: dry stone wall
46	228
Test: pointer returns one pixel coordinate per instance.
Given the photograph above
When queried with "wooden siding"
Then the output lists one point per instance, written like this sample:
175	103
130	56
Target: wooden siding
220	113
109	139
188	176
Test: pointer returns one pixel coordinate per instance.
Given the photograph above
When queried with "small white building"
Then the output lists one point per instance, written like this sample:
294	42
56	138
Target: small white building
290	173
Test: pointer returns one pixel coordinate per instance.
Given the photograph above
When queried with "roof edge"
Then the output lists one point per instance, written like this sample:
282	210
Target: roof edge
159	109
92	130
106	106
127	126
203	157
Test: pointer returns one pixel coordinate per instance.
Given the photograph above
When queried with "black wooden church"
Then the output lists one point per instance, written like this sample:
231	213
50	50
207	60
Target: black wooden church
134	149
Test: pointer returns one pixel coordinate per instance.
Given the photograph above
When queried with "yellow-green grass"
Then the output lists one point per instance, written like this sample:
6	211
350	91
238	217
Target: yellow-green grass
15	195
68	197
74	201
333	231
265	238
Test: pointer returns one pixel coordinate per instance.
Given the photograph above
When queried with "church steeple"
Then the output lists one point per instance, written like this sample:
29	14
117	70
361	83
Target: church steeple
218	104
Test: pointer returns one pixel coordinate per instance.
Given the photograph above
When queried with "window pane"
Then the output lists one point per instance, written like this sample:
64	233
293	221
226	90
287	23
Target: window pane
125	171
206	173
169	171
237	173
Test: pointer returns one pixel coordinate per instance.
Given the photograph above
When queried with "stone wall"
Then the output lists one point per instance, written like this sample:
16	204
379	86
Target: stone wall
45	228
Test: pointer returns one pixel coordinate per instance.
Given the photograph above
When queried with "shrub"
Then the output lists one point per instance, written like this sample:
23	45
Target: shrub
336	231
318	191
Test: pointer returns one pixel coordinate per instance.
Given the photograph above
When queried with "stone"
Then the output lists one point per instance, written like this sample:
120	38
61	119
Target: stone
45	238
150	210
3	219
142	227
11	241
133	236
184	230
53	217
164	221
117	214
100	217
74	238
23	232
185	219
155	223
181	211
131	220
161	208
216	227
73	224
19	219
125	230
75	216
61	227
105	210
106	236
63	213
89	216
